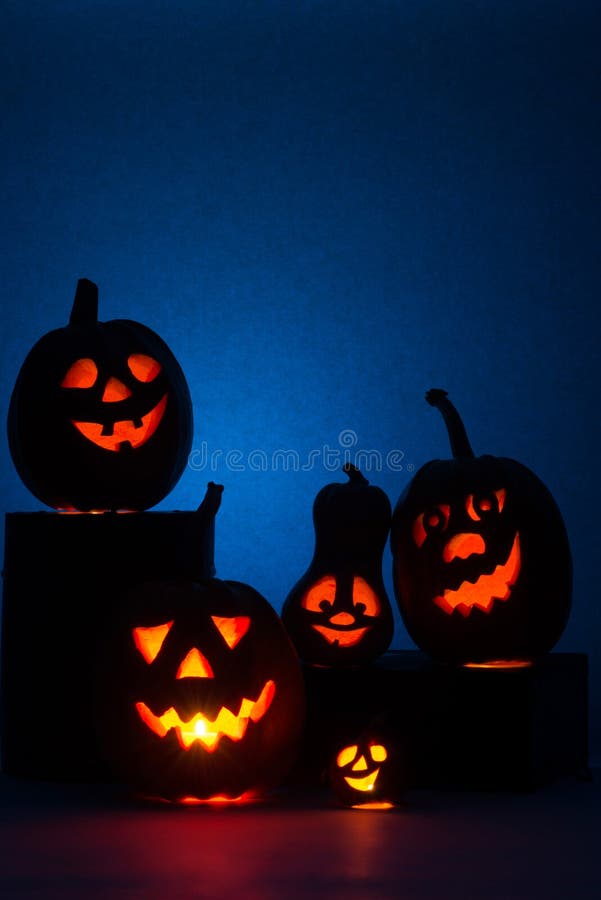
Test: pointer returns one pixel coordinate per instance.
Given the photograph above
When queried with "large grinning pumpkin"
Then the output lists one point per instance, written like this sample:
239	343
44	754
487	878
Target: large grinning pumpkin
200	693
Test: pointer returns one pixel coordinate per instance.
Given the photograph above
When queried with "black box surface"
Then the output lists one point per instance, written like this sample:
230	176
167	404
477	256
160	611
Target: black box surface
63	575
461	728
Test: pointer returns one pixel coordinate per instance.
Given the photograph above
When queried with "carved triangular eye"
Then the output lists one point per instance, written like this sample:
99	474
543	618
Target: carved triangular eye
232	628
150	640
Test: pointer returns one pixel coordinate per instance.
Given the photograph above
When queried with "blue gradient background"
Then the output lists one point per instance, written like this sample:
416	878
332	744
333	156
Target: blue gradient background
325	208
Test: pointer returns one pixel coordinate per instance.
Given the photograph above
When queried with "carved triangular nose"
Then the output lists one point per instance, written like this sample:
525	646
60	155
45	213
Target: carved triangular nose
360	765
114	391
195	665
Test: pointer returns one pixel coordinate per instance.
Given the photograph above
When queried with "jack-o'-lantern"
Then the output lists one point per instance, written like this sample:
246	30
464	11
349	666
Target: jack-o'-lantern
200	694
368	773
482	566
100	417
338	613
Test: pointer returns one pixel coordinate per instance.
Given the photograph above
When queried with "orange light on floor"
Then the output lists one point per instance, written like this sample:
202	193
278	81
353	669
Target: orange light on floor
500	664
217	800
382	805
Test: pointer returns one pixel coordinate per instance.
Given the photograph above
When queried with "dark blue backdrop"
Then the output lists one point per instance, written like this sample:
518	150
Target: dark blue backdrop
325	208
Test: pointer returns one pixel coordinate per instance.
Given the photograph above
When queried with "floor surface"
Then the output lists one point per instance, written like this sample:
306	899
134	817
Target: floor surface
88	842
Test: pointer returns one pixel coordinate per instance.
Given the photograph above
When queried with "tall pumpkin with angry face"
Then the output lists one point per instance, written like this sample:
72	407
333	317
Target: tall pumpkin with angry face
100	417
481	560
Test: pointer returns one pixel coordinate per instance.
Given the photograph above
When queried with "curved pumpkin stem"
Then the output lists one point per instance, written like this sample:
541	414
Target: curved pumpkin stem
211	500
85	303
460	445
208	510
355	475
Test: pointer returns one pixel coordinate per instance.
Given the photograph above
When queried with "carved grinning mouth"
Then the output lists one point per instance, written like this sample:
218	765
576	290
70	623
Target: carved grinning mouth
126	432
489	587
342	630
209	732
366	783
342	637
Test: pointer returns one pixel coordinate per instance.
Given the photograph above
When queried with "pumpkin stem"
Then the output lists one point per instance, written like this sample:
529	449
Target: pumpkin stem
208	510
85	304
460	445
354	474
211	500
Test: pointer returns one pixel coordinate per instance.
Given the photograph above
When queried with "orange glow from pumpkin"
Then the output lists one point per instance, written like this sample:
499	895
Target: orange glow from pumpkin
434	519
377	752
365	783
342	638
484	504
346	755
150	640
114	391
500	664
463	545
232	629
324	589
488	587
82	374
206	731
340	625
143	367
383	804
366	596
218	799
195	665
124	432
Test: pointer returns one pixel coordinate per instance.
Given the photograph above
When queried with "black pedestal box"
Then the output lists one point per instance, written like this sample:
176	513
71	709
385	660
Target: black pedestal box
63	575
461	728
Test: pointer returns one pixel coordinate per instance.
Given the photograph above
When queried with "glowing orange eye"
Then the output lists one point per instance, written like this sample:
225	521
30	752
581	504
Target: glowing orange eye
378	752
82	374
419	532
478	505
150	640
363	594
322	592
346	755
435	519
232	629
143	367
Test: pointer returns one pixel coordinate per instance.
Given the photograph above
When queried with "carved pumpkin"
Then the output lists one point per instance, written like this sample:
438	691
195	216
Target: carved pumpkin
339	613
481	561
100	417
368	773
200	692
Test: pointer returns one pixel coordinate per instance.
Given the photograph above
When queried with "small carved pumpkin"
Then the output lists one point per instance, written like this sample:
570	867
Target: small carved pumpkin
100	417
200	693
481	560
368	773
339	613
